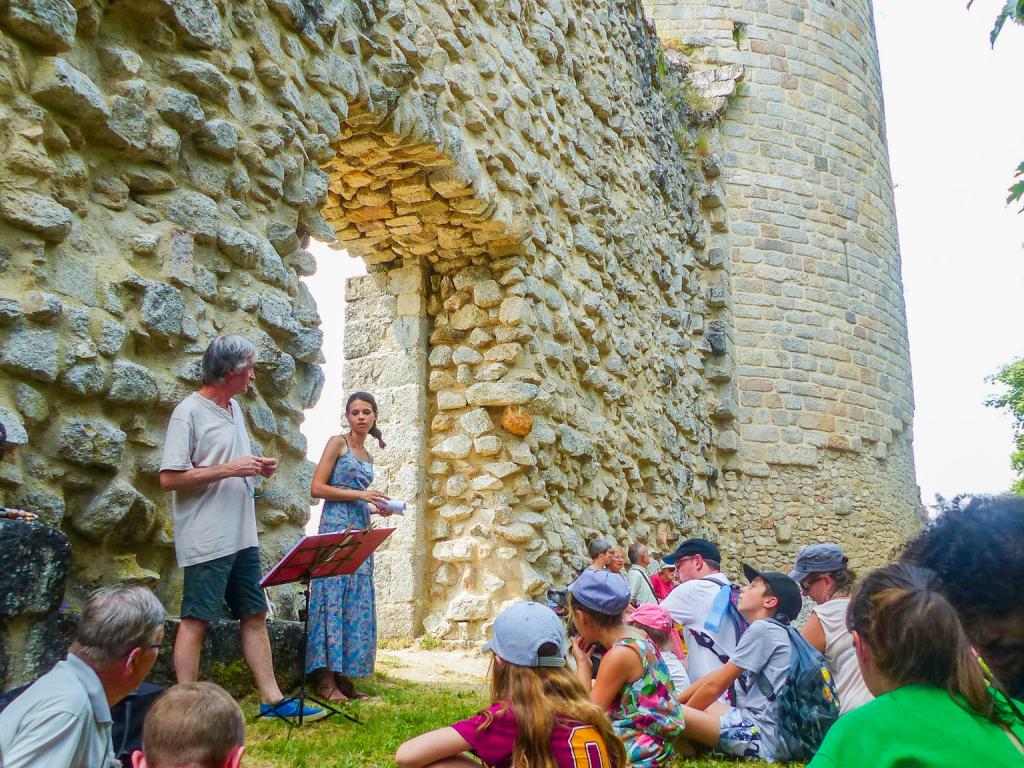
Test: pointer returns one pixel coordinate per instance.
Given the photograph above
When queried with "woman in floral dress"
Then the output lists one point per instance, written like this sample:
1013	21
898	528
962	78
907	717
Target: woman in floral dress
342	612
632	683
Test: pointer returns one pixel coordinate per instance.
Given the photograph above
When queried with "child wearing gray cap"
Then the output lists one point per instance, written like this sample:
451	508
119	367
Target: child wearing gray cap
823	573
632	684
560	727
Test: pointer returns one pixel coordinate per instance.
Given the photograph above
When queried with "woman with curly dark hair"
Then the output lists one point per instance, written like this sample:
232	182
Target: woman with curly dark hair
977	550
933	707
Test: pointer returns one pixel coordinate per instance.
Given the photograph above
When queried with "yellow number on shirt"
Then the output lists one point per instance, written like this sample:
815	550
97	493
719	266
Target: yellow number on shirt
588	750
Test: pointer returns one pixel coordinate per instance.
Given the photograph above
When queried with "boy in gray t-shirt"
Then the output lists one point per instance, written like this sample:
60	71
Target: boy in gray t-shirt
754	674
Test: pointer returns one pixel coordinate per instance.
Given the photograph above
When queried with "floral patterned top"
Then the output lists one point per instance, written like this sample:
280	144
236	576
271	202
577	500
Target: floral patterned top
648	716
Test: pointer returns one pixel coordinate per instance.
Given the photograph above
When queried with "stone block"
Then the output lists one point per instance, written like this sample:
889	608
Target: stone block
132	383
49	24
466	606
455	447
34	562
501	393
36	213
91	442
476	422
108	509
31	352
455	550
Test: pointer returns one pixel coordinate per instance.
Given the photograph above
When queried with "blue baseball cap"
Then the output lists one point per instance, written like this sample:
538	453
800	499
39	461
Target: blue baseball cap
817	558
601	591
520	631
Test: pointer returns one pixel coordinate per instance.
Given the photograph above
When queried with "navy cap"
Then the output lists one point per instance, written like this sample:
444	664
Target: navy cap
786	591
817	558
601	591
691	547
519	631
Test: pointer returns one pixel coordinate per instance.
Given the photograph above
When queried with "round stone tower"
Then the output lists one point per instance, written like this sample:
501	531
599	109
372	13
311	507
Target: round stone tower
813	393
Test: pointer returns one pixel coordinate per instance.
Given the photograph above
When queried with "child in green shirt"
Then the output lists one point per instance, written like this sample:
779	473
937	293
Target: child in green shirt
934	708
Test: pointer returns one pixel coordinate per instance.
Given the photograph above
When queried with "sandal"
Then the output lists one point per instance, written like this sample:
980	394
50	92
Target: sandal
332	693
348	690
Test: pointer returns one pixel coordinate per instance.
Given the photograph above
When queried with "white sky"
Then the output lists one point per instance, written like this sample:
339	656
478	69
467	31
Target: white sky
955	118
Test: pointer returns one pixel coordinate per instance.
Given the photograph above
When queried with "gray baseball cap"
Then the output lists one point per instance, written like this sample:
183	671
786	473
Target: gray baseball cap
519	631
817	558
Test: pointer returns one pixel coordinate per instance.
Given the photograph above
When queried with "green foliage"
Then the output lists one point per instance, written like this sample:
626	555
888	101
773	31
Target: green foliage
1012	11
1011	400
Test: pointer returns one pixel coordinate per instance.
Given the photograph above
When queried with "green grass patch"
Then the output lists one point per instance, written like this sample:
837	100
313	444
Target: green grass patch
398	710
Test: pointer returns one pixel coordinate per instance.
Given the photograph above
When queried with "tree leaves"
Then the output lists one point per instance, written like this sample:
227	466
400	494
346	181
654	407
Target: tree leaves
1017	190
1014	9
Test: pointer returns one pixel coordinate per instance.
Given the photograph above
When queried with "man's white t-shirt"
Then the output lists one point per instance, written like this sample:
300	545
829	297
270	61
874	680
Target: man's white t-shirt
217	519
689	604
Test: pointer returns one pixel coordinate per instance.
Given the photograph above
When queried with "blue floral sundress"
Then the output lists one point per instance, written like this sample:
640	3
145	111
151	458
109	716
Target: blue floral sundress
342	611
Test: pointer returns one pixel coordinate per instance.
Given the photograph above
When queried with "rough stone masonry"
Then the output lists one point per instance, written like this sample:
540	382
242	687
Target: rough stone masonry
519	177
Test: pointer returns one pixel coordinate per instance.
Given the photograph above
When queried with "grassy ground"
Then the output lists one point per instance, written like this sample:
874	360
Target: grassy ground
397	711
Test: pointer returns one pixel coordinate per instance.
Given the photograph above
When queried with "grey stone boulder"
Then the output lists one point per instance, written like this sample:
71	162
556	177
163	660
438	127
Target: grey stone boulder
501	393
203	79
218	138
15	427
190	210
91	443
36	213
132	383
34	561
239	246
276	313
85	379
198	20
112	336
305	345
10	309
107	509
31	403
31	352
180	110
58	85
49	24
48	505
163	309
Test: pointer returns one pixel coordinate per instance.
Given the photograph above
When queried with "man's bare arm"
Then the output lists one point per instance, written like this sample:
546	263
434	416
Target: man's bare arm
197	477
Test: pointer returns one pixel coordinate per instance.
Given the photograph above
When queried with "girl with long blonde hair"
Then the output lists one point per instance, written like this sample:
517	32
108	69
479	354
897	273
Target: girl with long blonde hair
540	715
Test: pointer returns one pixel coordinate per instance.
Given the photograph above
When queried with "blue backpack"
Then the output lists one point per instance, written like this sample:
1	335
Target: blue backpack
808	703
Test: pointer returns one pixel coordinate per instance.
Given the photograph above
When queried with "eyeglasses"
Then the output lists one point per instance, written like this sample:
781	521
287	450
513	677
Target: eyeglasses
682	560
805	586
248	488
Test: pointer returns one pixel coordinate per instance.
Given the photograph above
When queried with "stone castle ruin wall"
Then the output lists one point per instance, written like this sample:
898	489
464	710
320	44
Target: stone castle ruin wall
514	177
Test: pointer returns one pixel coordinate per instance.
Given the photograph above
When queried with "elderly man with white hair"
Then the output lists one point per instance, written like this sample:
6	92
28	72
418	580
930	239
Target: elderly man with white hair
63	719
209	466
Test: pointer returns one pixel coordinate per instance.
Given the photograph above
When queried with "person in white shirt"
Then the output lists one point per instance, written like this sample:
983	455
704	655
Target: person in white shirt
823	574
640	589
63	719
701	584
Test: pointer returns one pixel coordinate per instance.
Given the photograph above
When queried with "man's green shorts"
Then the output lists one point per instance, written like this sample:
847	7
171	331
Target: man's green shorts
232	579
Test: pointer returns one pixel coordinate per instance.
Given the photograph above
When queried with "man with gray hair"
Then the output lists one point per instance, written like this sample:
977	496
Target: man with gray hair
209	467
640	588
63	719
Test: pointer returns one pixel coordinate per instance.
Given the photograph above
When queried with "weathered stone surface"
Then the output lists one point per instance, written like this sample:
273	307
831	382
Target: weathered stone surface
107	510
34	561
132	383
163	309
31	352
218	138
58	85
36	213
501	393
198	20
50	24
16	434
91	442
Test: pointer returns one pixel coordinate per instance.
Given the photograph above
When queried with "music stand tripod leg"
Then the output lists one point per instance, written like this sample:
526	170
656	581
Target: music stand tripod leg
303	696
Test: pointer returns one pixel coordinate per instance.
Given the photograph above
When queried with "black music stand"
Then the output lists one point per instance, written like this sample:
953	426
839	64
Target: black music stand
317	557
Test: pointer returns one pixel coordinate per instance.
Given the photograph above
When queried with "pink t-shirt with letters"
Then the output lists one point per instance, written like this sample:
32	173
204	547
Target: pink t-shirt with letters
574	745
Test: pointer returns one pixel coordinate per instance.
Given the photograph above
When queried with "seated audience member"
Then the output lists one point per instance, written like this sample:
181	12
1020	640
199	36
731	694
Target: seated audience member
539	716
823	575
710	640
192	725
640	588
600	552
977	551
63	719
759	665
658	624
664	581
934	708
632	683
617	561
